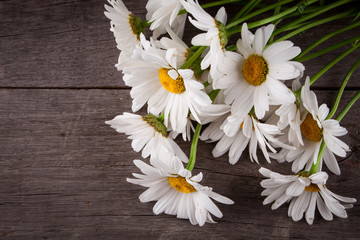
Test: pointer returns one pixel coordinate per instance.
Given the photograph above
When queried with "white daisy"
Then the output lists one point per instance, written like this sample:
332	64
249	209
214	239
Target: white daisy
155	79
125	26
177	192
147	134
254	77
165	13
315	128
305	191
215	36
234	134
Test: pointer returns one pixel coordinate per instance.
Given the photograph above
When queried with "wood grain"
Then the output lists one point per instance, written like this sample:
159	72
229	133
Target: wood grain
63	170
63	176
68	44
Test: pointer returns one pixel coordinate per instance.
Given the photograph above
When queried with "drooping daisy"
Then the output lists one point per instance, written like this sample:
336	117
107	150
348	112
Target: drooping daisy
305	191
155	79
315	128
147	134
177	192
125	26
254	77
234	134
165	13
215	36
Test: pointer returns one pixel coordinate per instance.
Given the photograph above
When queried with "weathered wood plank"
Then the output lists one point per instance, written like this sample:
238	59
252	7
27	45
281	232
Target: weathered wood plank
68	44
58	44
62	175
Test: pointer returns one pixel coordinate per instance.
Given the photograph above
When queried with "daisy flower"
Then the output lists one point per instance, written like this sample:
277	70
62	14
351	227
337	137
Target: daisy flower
177	192
305	191
254	77
315	128
147	134
235	134
215	36
156	80
125	26
165	13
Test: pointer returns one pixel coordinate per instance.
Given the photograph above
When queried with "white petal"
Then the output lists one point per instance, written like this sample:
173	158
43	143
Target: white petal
324	211
295	189
310	212
330	161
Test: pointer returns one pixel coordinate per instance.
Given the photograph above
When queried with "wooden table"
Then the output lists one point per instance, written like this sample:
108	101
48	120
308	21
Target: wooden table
63	171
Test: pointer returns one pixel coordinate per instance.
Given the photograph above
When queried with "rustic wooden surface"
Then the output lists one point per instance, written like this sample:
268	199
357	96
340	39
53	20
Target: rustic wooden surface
62	170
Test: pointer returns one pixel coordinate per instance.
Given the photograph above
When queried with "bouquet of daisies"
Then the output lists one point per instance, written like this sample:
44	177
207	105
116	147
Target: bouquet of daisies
248	94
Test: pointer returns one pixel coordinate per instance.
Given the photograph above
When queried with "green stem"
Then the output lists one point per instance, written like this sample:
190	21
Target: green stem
333	62
316	23
252	7
276	11
211	4
193	57
231	48
328	66
243	10
299	25
307	10
277	16
193	149
310	16
326	37
348	106
260	11
346	79
315	167
326	50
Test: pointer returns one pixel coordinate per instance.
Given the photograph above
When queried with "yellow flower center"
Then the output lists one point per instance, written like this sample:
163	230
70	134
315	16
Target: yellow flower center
255	70
181	185
310	129
172	85
312	188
